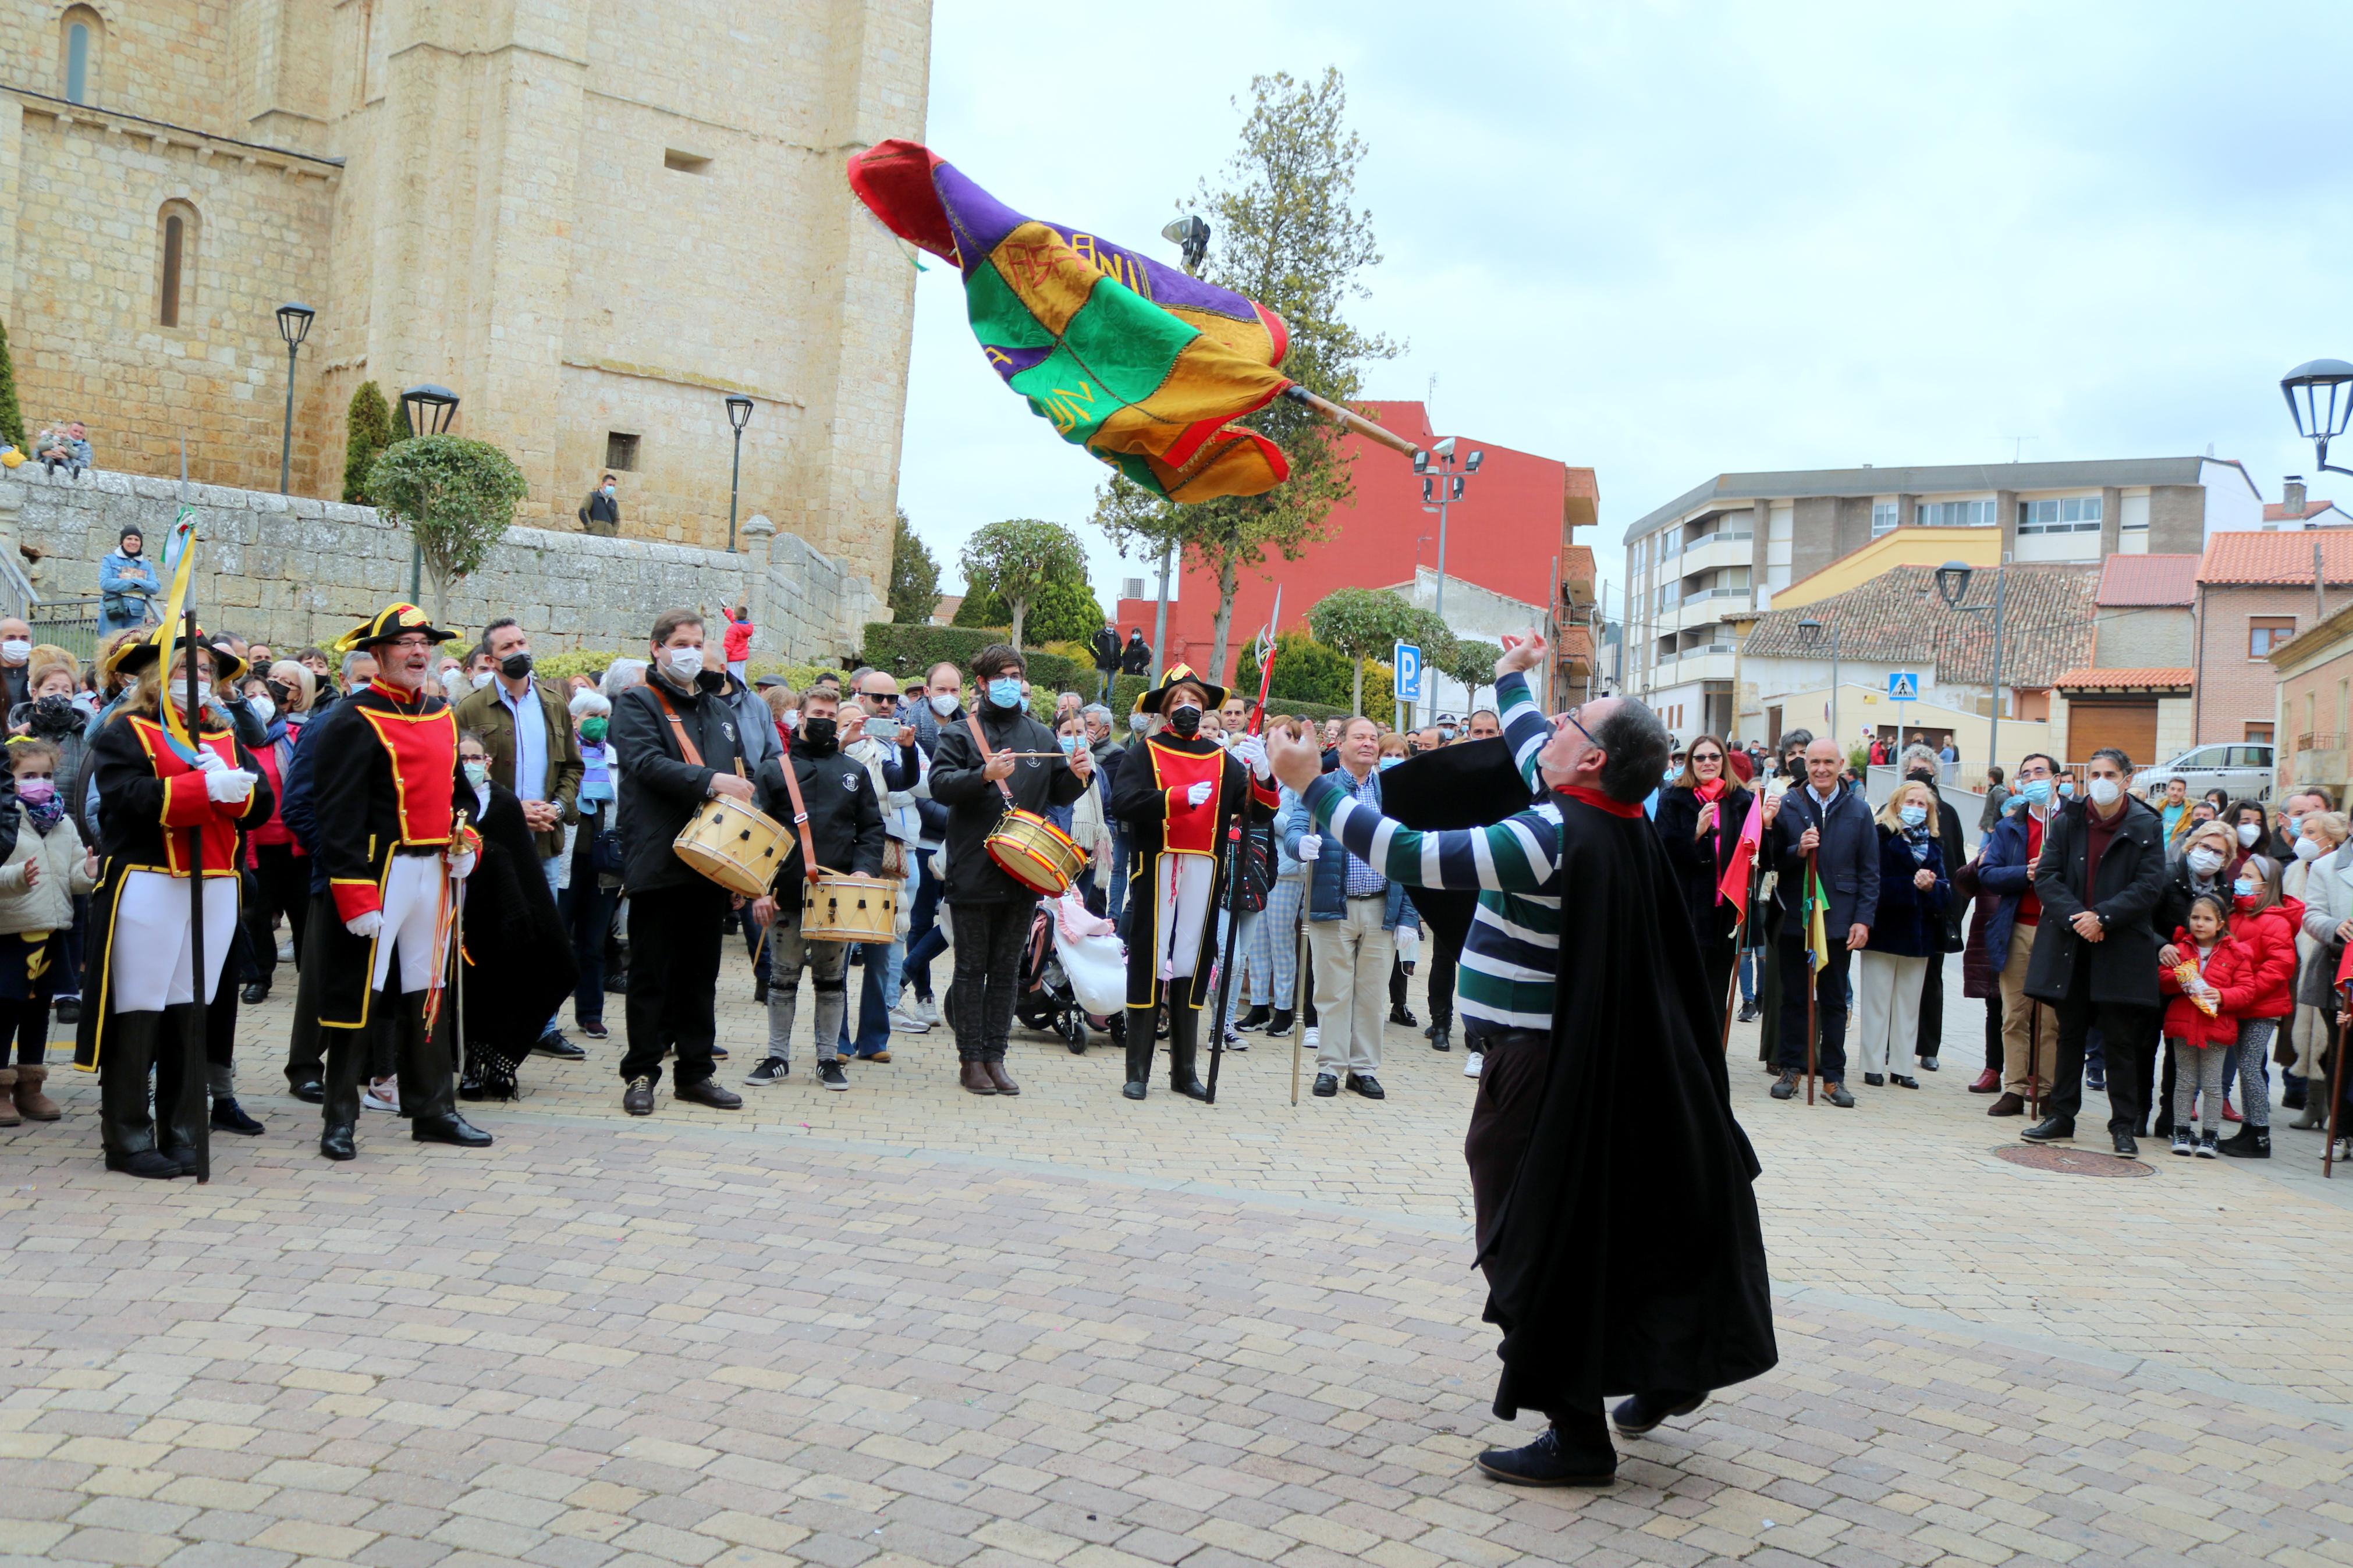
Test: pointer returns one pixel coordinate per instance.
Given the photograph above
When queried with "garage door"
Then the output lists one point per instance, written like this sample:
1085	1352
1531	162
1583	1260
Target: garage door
2130	727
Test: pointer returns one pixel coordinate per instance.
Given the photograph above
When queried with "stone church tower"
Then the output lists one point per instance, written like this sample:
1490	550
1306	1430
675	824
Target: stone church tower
592	219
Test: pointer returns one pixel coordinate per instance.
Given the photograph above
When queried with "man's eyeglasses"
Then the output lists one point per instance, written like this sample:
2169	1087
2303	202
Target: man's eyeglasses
1570	718
409	644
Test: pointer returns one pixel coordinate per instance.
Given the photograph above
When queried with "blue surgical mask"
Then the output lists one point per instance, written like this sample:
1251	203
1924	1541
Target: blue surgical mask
2245	888
1068	743
1005	692
1913	816
2035	790
1392	761
2067	788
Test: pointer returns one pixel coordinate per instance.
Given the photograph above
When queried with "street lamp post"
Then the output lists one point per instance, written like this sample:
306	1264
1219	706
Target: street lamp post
1441	490
426	410
293	325
1190	235
1953	586
739	413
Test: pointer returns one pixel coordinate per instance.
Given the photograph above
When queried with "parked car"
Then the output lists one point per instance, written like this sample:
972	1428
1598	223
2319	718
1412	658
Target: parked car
2243	768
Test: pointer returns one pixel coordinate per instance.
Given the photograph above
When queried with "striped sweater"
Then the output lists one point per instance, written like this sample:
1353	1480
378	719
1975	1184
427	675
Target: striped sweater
1512	950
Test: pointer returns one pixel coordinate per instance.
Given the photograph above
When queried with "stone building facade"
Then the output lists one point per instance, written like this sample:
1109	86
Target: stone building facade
592	221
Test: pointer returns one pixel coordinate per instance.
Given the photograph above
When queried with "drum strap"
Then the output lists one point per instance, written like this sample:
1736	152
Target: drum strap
800	816
981	741
686	746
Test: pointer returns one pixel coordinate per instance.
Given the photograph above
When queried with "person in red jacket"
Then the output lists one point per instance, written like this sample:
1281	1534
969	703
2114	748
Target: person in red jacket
2263	923
738	639
2209	985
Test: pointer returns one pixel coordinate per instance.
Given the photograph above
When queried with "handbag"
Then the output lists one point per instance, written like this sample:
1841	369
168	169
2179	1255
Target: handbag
604	852
1257	869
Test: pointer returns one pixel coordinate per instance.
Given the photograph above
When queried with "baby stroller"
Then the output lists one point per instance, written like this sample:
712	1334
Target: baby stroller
1073	975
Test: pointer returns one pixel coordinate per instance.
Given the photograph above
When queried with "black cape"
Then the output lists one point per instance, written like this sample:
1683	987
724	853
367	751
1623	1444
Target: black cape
1628	1257
518	958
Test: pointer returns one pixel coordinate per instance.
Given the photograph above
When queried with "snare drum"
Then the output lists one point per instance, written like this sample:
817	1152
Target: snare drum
1035	853
734	846
837	907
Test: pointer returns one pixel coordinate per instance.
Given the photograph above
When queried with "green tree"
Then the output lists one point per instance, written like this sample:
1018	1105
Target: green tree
1307	671
915	575
458	496
1472	662
1287	235
1062	610
368	430
1362	623
11	415
1019	557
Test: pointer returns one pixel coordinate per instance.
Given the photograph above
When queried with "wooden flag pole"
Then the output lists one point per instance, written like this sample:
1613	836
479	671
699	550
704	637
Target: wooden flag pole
1354	424
1812	978
2335	1098
195	1093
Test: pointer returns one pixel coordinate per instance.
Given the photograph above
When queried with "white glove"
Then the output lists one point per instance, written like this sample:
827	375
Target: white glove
1310	845
461	865
1198	793
227	785
208	762
1251	750
365	925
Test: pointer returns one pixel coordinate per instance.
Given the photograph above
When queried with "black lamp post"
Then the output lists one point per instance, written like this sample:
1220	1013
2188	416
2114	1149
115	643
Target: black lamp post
1952	586
2320	401
739	413
426	410
293	325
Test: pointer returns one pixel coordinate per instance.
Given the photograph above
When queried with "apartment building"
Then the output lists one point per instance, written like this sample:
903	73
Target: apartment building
1719	553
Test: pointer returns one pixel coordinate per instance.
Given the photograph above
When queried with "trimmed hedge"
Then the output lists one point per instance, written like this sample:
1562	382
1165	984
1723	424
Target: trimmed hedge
908	652
562	667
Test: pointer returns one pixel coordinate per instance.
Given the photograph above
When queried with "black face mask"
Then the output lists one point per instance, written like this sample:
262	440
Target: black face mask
820	733
515	666
1921	775
1185	721
55	715
278	693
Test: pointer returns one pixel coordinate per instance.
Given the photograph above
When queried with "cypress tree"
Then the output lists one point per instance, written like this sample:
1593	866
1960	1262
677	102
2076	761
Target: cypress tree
12	417
369	430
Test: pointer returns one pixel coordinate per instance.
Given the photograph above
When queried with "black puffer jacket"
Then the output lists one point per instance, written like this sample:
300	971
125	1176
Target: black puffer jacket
975	804
660	788
845	816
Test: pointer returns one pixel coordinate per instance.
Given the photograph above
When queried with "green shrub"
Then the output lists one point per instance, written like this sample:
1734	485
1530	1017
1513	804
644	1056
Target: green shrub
1305	671
11	415
368	429
909	651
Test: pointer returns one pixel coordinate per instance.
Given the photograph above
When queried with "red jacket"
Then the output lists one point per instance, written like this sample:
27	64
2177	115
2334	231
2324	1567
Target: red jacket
2228	971
2268	941
738	639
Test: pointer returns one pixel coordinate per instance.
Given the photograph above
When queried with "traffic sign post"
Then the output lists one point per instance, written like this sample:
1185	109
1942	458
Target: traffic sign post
1903	686
1405	688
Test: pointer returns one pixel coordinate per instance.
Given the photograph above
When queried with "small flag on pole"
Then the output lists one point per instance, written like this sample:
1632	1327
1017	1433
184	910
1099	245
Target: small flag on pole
1818	941
1734	888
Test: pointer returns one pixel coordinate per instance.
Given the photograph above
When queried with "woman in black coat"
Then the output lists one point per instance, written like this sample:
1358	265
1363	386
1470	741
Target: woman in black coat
517	963
1699	821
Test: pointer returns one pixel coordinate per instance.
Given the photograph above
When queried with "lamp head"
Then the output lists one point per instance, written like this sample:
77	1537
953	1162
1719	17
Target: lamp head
1953	583
739	410
295	323
1809	632
2319	401
426	410
1471	465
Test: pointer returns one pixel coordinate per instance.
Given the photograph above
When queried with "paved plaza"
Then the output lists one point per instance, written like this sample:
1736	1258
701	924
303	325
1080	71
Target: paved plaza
903	1325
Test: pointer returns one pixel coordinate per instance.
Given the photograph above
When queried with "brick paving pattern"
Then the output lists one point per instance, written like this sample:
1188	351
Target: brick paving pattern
907	1326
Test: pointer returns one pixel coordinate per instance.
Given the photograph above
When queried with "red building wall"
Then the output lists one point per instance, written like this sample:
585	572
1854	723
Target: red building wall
1512	527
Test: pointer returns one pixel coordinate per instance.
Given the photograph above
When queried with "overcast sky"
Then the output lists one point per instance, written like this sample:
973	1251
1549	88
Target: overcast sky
1669	240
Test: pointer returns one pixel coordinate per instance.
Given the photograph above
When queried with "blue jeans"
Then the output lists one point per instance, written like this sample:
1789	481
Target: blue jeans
587	911
926	937
873	1012
1121	852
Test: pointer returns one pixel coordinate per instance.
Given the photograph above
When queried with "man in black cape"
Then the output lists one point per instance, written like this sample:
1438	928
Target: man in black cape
1627	1257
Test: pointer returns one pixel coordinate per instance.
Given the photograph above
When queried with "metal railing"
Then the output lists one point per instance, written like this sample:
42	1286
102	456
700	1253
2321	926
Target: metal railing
70	624
2315	741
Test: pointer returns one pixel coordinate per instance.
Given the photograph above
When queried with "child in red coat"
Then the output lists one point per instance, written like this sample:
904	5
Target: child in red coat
2263	925
2211	988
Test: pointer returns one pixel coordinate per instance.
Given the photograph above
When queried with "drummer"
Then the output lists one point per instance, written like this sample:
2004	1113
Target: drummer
992	759
829	799
1177	796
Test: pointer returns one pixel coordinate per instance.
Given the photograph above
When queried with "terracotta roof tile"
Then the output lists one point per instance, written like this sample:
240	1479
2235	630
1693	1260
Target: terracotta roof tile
2277	559
2280	512
1899	618
2129	581
2143	680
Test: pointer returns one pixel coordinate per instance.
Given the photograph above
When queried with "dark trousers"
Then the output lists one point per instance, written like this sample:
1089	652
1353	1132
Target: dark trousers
873	1034
278	884
1717	960
2129	1085
1444	956
588	913
70	982
1397	981
925	939
1830	1006
1994	1032
988	938
1503	1113
1930	1038
425	1067
673	980
25	1031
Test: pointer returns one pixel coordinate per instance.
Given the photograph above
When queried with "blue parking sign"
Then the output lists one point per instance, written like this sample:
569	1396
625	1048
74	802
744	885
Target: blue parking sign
1406	661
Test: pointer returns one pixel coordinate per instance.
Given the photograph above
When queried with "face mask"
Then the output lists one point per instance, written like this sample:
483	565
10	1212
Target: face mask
1068	743
593	730
2036	791
1913	816
1186	720
479	679
15	650
1446	731
204	693
1672	774
515	666
2067	788
1005	692
2205	862
2243	887
608	492
265	708
2291	828
2104	792
1137	722
943	703
686	663
1392	761
2248	832
355	688
53	712
2309	849
476	772
819	732
32	792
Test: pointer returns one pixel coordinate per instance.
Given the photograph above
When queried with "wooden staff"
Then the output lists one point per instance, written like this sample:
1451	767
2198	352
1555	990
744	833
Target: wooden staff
2335	1084
1813	980
195	1092
1300	991
2034	1058
1354	424
1732	983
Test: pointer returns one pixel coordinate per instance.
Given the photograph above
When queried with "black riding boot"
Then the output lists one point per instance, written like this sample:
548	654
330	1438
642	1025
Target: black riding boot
1184	1045
427	1079
349	1053
1139	1052
126	1127
181	1109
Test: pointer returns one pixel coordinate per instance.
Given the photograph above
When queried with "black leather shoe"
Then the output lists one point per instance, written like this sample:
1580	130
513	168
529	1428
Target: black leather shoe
146	1162
2050	1130
1441	1038
1927	1064
1326	1086
1547	1462
336	1143
1786	1085
310	1091
257	992
1135	1090
228	1116
68	1010
1366	1084
709	1092
638	1100
1401	1014
2250	1143
1644	1413
1874	1080
1836	1093
2126	1148
449	1129
1901	1081
554	1044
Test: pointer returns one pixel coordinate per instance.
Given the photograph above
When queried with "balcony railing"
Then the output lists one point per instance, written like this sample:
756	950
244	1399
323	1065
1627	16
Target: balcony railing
2317	741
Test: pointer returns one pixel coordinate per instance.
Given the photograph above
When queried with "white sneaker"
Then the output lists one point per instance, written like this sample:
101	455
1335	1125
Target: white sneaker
905	1023
926	1011
1471	1062
385	1098
1314	1038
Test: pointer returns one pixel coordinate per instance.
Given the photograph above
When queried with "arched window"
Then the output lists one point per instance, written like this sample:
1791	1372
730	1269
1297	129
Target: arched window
175	253
81	32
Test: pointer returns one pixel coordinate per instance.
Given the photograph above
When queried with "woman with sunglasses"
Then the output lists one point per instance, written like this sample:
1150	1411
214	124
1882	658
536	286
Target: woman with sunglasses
1700	816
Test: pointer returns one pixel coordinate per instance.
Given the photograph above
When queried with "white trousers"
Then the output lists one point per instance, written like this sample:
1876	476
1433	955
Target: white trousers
1887	998
152	963
1183	897
412	915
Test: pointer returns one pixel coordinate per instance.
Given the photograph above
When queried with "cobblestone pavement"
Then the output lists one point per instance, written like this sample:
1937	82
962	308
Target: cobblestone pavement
903	1325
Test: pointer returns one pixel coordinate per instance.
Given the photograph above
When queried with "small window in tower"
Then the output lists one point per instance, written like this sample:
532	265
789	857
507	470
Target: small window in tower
620	451
176	244
685	162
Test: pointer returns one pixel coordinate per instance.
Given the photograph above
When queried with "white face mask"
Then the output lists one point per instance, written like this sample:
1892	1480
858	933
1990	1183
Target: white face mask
2104	791
479	679
2248	832
15	650
686	663
203	692
2205	862
2308	848
266	708
943	703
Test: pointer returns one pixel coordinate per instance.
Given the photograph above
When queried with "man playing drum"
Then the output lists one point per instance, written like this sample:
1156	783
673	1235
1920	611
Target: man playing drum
1177	794
837	817
676	735
990	762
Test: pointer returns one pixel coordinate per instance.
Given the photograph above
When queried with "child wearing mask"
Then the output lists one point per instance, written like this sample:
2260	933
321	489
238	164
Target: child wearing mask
2263	924
45	869
2209	985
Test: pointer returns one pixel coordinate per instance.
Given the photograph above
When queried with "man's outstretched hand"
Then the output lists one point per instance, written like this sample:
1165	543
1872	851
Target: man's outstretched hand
1521	654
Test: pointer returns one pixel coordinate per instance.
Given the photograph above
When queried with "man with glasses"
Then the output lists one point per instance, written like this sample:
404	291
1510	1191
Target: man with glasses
1834	825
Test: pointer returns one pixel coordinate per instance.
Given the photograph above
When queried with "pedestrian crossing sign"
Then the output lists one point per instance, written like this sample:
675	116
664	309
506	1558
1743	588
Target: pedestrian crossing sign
1903	686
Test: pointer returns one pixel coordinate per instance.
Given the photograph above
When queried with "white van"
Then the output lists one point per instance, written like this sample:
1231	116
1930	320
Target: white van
2243	768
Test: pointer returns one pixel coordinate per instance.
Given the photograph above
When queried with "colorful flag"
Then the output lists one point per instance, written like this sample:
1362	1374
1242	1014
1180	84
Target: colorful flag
1818	941
1734	888
1141	364
180	559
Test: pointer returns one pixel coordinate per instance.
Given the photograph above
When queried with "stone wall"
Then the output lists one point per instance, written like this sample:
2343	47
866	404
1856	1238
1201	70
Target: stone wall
300	571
